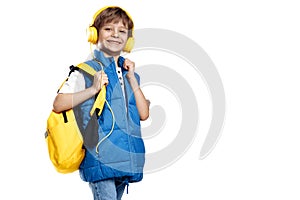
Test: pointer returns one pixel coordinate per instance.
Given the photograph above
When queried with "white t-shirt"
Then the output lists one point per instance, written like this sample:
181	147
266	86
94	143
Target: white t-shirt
75	83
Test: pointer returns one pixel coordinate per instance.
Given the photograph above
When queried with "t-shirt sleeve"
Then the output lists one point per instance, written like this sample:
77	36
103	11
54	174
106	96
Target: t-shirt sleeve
75	83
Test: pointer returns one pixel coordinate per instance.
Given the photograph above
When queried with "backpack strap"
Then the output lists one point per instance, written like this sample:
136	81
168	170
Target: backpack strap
100	100
88	69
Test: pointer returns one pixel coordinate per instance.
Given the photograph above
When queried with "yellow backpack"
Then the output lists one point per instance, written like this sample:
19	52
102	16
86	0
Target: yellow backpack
63	137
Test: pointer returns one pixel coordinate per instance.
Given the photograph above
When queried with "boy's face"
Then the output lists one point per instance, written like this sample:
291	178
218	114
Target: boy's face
112	38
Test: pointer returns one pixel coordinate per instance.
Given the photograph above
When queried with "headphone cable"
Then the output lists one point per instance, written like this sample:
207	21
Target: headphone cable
111	110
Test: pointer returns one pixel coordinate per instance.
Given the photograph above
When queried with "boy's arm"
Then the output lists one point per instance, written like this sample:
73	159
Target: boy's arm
66	101
141	102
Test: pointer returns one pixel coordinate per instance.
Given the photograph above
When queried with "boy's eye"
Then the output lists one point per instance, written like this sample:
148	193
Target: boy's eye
110	29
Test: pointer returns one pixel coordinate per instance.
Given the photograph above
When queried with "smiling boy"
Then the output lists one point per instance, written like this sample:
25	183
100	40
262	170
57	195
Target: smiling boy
119	159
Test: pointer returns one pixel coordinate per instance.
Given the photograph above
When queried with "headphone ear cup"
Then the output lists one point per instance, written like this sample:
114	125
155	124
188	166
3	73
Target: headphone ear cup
92	34
129	45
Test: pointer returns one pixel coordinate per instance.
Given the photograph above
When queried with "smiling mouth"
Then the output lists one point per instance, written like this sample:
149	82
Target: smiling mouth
113	42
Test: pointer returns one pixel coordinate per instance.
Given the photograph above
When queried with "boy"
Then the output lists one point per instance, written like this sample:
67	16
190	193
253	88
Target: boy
114	148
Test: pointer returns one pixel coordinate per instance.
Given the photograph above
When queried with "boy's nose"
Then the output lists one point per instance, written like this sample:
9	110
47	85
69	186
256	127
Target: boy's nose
115	33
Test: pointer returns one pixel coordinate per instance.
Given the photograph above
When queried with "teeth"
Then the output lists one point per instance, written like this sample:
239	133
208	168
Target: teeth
114	41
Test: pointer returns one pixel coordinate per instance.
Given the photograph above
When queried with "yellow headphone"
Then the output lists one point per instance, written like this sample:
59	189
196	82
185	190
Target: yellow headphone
93	33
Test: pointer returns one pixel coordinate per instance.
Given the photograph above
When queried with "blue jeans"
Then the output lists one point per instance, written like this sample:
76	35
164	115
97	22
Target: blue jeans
109	189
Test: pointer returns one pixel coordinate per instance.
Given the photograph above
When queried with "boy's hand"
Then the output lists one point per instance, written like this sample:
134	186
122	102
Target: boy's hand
130	66
100	79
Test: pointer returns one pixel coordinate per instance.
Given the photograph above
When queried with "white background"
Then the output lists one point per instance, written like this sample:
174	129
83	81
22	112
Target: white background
255	46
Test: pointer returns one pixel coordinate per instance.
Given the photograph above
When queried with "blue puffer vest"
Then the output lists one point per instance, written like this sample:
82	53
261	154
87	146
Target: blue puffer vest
122	154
